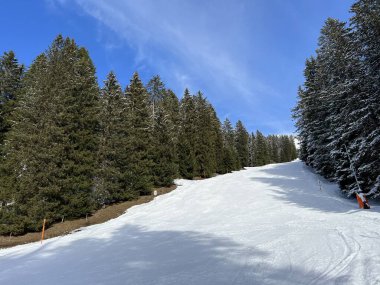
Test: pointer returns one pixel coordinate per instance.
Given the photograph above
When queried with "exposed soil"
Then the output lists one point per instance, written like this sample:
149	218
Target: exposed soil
66	227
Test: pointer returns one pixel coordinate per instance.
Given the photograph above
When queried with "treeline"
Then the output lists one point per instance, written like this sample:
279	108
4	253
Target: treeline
338	111
68	146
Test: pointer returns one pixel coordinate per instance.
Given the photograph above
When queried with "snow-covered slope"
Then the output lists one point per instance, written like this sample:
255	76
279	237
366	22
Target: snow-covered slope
265	225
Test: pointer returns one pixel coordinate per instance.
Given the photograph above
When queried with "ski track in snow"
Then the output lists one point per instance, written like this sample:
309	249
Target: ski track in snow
262	225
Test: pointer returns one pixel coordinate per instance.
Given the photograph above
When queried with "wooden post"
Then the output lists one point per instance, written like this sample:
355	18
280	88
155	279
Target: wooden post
43	231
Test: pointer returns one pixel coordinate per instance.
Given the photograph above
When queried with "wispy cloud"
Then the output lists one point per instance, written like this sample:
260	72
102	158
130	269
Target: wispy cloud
195	44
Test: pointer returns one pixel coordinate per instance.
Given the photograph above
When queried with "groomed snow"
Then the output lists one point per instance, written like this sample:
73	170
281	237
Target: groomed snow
264	225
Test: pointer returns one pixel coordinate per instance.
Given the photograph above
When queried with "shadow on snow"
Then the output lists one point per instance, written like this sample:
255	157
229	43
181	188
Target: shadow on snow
134	255
296	183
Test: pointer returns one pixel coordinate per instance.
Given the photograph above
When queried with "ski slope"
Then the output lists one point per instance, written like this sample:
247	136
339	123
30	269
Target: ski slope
264	225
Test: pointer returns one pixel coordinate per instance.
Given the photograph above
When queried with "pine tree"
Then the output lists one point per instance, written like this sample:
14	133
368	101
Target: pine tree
114	144
293	148
204	154
186	144
217	140
262	155
165	140
11	73
156	90
307	113
273	148
230	155
364	107
139	175
252	150
338	106
51	148
241	142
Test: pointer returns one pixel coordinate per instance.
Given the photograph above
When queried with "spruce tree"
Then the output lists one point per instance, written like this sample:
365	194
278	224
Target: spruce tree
273	148
139	175
262	155
165	155
114	144
230	155
51	148
252	150
217	140
364	114
156	90
11	73
186	143
241	142
204	140
338	109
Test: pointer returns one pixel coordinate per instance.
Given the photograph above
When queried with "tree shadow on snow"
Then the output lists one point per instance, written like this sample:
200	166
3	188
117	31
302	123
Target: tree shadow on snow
296	185
135	255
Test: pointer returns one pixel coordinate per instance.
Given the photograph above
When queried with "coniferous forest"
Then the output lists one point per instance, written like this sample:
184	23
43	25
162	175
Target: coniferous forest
69	146
338	110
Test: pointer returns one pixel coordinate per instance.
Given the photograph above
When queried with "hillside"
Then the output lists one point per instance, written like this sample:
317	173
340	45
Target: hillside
265	225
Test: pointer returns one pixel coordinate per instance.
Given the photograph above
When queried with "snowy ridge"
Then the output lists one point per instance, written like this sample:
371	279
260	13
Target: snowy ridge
265	225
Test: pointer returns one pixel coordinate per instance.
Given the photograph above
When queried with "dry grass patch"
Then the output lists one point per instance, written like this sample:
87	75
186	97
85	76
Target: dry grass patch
66	227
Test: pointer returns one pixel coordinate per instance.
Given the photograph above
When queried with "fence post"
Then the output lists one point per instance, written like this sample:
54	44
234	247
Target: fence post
43	231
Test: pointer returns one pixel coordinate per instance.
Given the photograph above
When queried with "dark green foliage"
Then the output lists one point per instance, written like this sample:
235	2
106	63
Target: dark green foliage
72	148
114	144
252	150
186	142
139	175
205	160
274	148
241	143
230	154
217	140
165	109
339	103
271	149
51	148
262	153
11	73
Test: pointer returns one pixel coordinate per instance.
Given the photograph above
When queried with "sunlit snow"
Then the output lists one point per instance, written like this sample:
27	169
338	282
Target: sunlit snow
277	224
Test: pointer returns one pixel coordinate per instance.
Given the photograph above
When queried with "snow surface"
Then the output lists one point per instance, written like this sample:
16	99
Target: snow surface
266	225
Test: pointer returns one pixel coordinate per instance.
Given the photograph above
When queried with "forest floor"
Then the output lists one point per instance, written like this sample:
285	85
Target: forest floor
69	226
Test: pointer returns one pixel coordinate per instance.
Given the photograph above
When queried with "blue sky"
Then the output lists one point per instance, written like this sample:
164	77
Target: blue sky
246	56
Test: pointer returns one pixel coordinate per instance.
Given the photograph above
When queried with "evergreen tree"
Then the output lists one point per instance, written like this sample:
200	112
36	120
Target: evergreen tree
262	155
217	139
364	107
11	73
138	177
293	149
165	155
51	148
252	150
338	107
204	140
230	155
156	90
114	145
241	142
273	148
186	144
